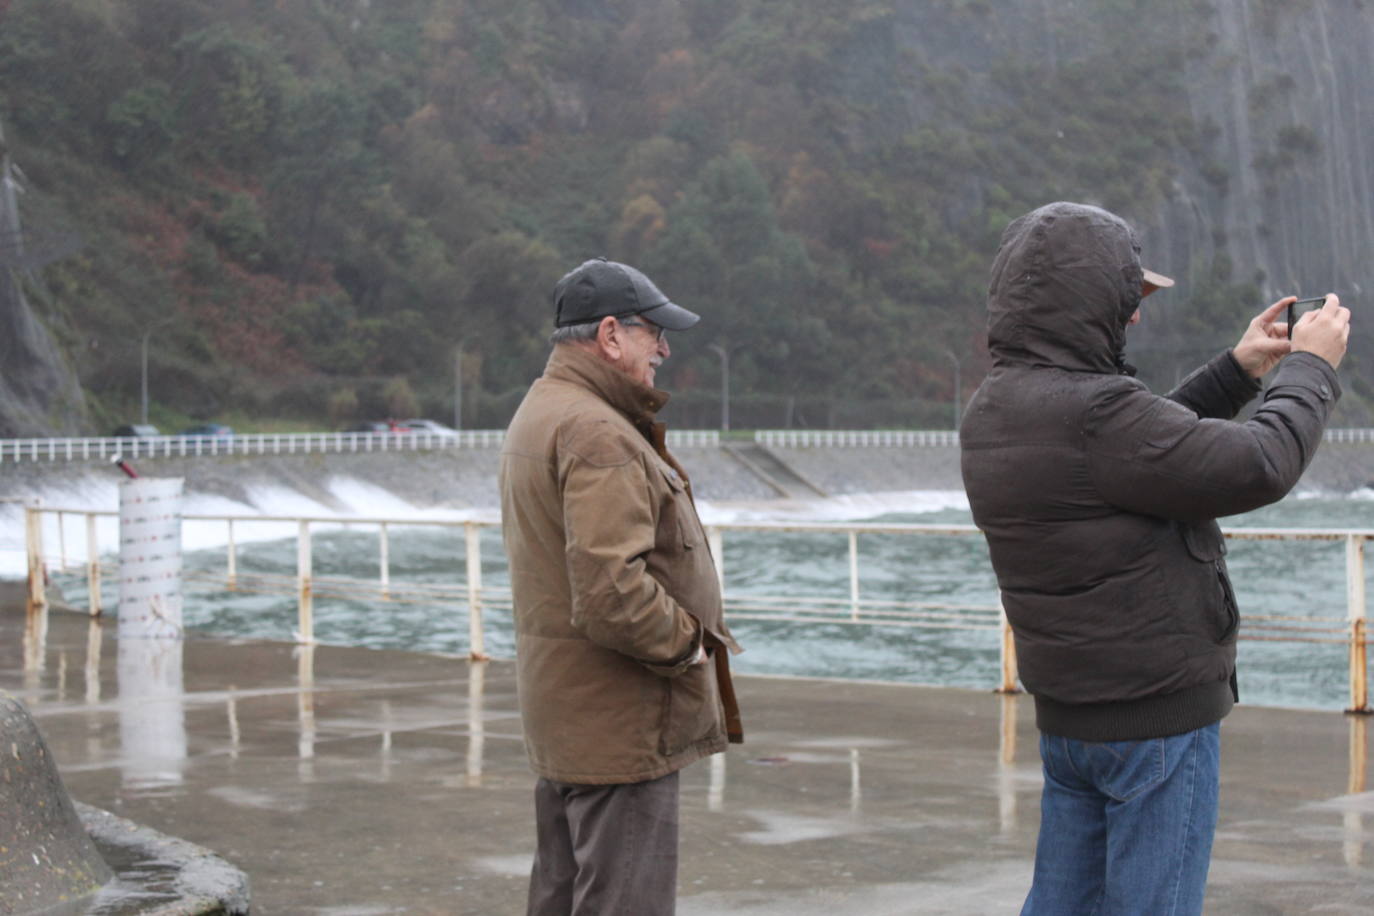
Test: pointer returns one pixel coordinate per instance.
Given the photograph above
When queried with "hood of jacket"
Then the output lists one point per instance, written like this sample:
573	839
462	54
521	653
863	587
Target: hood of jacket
1064	284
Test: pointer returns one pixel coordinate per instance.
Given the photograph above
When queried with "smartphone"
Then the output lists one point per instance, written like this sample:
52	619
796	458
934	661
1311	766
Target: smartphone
1297	309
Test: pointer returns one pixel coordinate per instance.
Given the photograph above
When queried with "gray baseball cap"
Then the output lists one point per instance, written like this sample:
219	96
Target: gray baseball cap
598	288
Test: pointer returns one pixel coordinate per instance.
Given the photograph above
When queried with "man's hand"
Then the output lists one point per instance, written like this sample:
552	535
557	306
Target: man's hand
1323	331
1265	341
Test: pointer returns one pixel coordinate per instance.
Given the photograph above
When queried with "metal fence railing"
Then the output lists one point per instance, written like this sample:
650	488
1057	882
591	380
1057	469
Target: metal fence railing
1357	436
856	607
927	438
856	438
97	449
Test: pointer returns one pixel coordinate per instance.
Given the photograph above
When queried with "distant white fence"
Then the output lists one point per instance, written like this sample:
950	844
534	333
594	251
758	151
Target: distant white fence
855	438
1350	435
96	449
925	438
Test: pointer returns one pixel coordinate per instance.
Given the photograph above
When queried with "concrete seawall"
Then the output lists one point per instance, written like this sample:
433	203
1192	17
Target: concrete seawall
466	478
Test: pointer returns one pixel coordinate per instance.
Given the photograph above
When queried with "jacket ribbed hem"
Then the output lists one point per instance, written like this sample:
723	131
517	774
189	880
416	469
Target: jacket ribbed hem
1136	720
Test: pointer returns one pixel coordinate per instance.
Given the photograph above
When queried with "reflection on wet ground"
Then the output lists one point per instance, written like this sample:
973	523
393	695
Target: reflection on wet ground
352	781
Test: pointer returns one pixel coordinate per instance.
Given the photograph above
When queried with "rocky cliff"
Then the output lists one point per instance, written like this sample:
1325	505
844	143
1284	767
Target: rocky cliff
1284	184
1262	112
39	393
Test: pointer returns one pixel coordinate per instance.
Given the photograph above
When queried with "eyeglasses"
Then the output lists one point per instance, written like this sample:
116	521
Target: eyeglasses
655	329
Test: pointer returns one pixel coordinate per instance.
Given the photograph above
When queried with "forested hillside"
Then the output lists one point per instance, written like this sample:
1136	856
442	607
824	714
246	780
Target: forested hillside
309	208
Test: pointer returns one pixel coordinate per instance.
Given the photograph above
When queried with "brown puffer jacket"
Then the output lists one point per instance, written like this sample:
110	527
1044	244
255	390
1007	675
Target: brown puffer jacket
614	585
1099	499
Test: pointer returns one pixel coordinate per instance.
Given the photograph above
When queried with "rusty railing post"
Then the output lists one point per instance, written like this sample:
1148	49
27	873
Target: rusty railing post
92	566
304	586
384	561
1008	654
232	560
38	574
1355	611
476	639
854	575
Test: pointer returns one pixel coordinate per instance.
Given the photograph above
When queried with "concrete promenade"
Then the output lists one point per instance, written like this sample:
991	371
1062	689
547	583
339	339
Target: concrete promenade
353	782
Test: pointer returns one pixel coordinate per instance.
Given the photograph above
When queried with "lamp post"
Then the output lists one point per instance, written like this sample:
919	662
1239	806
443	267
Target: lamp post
143	350
958	394
143	364
724	355
458	385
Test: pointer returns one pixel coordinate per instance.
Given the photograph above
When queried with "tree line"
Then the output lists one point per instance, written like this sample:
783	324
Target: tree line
313	208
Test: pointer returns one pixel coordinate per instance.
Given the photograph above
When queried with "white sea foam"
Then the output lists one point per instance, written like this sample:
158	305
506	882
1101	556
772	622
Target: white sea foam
367	500
349	499
852	507
1363	494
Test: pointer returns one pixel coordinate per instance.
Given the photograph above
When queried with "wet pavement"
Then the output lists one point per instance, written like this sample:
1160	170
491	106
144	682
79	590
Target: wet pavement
354	782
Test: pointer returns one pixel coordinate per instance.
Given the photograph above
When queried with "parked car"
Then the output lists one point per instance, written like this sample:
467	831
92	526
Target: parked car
427	426
214	430
135	431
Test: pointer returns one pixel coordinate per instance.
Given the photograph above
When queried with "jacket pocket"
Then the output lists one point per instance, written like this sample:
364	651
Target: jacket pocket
1204	541
678	516
692	710
1230	613
1206	544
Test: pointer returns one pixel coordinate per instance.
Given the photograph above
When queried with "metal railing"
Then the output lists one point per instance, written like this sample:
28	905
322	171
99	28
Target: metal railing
856	438
267	444
944	438
95	449
1361	436
854	608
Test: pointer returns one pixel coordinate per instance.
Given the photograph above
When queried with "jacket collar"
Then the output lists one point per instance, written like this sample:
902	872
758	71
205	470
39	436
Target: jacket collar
640	403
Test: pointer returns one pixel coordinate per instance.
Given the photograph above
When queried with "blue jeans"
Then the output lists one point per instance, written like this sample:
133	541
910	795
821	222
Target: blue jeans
1126	826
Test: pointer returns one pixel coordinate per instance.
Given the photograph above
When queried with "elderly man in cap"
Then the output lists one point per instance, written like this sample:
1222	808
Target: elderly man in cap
621	643
1099	502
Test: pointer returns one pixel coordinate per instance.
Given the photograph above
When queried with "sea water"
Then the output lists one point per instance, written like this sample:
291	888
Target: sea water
1292	578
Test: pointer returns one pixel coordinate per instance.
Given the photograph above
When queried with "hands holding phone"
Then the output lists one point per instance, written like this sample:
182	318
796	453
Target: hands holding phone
1322	331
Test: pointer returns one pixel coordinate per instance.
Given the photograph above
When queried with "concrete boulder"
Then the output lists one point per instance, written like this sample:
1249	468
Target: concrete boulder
47	858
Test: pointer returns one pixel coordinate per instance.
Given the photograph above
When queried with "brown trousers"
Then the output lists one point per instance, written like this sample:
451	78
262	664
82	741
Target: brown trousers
605	850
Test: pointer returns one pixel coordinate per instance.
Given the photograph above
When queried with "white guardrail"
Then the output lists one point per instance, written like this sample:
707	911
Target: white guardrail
96	449
855	608
104	448
856	438
926	438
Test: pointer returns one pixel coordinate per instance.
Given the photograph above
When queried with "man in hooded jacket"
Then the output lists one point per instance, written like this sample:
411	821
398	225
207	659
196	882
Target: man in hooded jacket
1099	503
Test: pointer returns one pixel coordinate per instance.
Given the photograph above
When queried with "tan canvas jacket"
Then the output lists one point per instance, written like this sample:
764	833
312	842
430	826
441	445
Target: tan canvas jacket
614	586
